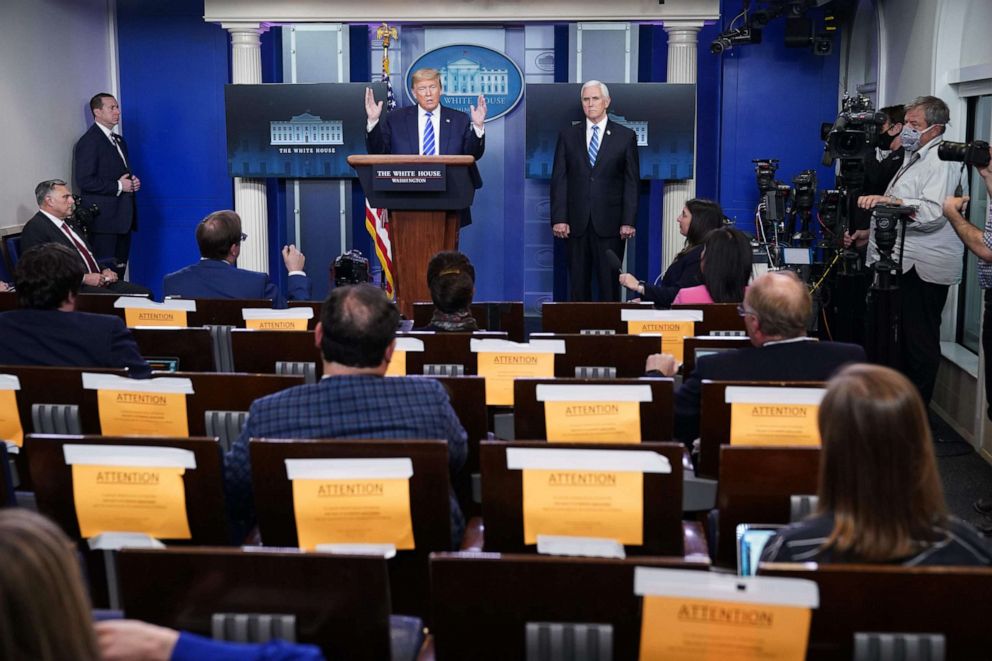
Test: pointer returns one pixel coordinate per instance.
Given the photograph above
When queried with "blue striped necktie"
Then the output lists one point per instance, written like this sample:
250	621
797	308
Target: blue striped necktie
428	136
593	146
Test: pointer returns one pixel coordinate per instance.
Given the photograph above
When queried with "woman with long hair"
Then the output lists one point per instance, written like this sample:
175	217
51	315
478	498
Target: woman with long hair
726	266
697	219
880	496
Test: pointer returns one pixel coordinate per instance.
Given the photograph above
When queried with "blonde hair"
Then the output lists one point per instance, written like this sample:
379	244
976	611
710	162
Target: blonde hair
44	611
427	73
878	475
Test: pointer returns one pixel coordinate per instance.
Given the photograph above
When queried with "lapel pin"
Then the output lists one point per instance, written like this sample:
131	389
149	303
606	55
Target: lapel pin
447	121
608	133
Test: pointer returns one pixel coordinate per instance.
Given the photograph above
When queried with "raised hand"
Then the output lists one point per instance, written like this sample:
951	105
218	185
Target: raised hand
372	109
479	112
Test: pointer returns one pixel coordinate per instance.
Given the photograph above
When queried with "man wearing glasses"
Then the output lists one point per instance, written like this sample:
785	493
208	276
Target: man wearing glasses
776	309
428	128
216	275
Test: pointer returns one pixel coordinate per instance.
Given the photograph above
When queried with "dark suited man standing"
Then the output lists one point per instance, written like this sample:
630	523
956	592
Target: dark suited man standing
428	128
103	177
594	185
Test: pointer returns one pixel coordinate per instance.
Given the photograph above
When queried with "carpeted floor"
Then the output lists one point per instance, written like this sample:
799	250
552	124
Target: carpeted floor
966	476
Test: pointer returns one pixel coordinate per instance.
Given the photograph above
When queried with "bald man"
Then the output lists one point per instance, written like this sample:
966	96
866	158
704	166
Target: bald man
776	309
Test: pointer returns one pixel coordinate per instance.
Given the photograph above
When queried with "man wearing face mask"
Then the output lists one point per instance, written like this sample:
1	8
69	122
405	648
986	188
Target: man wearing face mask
932	254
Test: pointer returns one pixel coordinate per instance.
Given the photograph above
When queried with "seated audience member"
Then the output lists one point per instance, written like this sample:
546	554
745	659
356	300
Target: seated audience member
55	206
776	309
46	612
216	275
46	329
880	497
356	335
697	219
726	268
451	278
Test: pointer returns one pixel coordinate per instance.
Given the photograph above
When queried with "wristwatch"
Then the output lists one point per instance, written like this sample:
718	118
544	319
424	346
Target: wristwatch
640	287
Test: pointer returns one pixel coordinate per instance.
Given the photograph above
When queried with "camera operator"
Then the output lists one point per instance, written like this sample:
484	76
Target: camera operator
930	252
980	243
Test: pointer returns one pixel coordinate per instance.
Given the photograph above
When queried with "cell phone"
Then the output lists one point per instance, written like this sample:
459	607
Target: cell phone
751	540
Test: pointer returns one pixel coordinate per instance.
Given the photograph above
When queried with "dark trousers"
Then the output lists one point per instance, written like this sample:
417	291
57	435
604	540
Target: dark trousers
587	262
987	349
112	246
921	305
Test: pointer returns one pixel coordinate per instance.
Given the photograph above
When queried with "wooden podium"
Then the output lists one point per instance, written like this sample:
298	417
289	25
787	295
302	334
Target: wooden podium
422	220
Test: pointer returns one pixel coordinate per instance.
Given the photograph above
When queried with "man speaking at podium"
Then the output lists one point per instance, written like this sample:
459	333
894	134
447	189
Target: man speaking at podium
428	129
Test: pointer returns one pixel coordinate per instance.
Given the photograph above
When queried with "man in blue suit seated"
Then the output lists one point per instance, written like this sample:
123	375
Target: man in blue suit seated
356	335
777	307
46	329
216	275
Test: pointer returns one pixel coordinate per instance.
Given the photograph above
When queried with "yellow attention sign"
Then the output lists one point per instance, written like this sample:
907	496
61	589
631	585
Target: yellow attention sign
774	424
500	369
154	317
672	333
593	422
150	500
360	511
125	413
688	629
10	419
583	503
397	365
296	324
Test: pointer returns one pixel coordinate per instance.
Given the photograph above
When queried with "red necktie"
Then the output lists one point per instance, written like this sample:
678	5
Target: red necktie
83	250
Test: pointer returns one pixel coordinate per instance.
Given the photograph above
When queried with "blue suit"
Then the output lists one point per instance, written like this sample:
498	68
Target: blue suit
98	166
397	132
216	278
68	339
346	407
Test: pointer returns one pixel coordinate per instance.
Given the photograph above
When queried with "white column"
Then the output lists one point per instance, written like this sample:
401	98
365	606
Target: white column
249	194
682	55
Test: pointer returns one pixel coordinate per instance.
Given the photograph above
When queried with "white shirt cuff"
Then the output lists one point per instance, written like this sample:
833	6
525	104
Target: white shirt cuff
370	125
297	273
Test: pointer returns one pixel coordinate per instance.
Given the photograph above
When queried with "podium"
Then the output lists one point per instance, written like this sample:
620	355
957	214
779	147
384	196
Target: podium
424	212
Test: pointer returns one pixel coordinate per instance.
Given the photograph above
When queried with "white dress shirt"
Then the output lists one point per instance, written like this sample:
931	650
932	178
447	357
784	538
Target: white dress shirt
107	132
59	223
931	243
602	131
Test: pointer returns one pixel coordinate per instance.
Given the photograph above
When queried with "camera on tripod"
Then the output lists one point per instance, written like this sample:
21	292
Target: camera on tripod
887	220
350	268
82	217
971	153
855	131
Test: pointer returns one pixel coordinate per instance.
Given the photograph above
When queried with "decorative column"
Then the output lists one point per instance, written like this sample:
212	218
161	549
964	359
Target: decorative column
249	194
682	56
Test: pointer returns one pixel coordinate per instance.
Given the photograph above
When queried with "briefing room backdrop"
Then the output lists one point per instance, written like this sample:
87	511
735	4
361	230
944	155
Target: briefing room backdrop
755	101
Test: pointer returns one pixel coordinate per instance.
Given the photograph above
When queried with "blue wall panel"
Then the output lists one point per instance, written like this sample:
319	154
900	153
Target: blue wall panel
173	67
774	99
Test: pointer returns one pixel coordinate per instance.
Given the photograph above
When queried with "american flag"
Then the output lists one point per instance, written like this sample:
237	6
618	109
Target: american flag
377	220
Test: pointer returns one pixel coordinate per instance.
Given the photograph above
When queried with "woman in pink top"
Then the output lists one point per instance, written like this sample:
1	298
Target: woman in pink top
726	266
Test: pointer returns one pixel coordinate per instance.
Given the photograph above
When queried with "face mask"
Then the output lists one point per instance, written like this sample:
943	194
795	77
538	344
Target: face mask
910	137
884	141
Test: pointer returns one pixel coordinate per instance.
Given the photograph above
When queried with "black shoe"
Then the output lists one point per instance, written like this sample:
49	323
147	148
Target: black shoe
985	526
983	505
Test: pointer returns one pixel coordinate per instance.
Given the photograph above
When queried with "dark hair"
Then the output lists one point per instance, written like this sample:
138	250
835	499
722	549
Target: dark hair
878	475
46	275
706	216
217	233
96	103
727	267
44	613
451	278
895	114
358	323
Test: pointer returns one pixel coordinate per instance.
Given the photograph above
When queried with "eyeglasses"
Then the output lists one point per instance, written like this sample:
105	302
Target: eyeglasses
243	236
743	311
